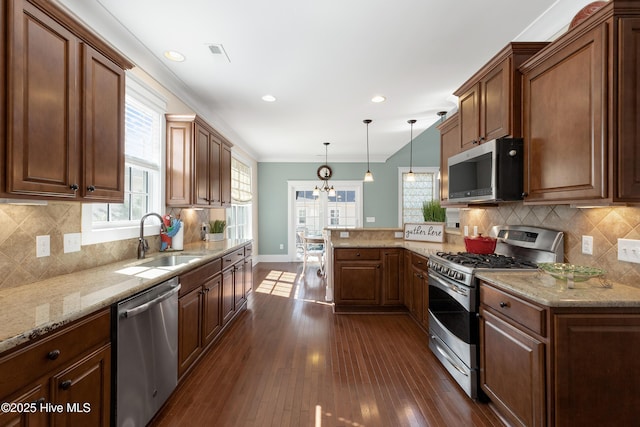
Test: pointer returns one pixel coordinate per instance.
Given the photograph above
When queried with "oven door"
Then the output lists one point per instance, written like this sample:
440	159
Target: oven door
453	316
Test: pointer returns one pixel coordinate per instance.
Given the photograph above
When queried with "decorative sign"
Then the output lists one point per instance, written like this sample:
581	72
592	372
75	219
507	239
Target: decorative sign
425	232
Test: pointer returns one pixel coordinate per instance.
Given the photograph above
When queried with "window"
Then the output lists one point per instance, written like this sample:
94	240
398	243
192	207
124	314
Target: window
239	215
425	187
102	222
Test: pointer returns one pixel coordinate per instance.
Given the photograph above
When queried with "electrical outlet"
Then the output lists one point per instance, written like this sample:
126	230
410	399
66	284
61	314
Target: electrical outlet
344	234
398	234
371	219
587	245
43	246
72	242
629	250
281	245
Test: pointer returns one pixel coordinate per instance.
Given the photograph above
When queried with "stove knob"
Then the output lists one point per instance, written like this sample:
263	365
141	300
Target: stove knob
459	276
452	273
445	270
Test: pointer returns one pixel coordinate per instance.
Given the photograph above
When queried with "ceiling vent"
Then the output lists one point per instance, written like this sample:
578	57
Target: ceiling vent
218	51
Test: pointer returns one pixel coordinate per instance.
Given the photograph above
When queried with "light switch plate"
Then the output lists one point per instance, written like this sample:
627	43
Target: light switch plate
72	242
587	245
629	250
43	246
371	219
398	234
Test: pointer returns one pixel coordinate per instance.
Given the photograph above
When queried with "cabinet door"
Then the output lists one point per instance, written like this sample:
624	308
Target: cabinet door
228	296
469	117
215	173
179	152
392	277
225	176
628	160
85	391
512	371
417	294
597	370
248	276
35	394
103	108
565	122
201	166
449	146
238	285
495	102
189	329
408	280
211	310
42	130
357	283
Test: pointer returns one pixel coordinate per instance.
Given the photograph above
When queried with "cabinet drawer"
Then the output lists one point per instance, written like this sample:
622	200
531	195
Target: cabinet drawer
248	250
357	254
231	258
54	352
419	262
196	277
520	311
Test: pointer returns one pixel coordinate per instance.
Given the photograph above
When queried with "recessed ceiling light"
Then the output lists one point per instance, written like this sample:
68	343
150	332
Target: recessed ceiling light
378	98
172	55
269	98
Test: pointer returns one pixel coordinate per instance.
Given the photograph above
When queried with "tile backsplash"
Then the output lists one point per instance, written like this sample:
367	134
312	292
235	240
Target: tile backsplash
21	224
606	225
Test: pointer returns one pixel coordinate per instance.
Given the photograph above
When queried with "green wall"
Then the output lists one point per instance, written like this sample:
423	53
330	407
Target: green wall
380	197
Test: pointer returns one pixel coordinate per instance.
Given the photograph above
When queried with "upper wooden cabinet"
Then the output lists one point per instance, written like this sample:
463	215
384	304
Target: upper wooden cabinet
198	164
489	103
580	113
65	107
449	146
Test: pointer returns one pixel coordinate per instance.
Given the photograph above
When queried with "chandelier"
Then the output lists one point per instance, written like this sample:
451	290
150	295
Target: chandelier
325	173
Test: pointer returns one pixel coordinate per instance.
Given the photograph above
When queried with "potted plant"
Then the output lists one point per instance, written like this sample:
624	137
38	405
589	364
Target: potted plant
216	229
433	212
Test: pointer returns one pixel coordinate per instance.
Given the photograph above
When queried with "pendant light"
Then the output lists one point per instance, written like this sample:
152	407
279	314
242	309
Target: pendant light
368	177
410	176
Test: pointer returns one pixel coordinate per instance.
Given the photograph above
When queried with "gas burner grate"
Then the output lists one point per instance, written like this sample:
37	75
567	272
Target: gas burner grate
468	259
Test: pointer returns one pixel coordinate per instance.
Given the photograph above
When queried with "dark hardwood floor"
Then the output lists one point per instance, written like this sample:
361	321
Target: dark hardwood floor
289	361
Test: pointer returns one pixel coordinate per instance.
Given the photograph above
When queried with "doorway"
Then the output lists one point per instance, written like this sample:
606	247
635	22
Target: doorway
311	214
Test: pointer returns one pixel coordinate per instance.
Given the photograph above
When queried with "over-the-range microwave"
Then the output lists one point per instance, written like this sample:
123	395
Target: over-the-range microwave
490	172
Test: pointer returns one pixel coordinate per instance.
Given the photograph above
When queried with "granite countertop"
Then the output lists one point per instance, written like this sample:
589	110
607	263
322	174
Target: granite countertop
35	309
422	248
539	287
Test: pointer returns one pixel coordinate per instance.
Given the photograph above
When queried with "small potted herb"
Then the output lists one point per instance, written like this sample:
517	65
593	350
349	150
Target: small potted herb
216	229
433	212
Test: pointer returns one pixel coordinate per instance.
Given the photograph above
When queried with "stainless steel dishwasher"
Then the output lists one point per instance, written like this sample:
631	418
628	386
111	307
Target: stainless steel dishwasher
147	353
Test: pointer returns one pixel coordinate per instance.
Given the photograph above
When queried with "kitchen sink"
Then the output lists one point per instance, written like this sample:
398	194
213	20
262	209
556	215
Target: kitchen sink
170	261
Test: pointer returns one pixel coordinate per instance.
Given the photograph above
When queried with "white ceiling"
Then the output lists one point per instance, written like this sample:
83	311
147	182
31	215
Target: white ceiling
322	59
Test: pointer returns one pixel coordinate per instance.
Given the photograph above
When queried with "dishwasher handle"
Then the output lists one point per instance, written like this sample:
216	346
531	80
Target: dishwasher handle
146	306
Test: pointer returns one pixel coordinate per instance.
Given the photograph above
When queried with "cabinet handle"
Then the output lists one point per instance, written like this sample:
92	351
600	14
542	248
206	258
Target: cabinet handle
74	187
525	194
40	401
378	266
91	189
504	304
481	139
357	253
65	385
475	141
53	354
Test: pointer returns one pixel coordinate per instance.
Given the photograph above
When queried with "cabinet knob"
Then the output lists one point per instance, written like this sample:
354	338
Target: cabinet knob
65	385
475	141
40	401
91	189
357	253
53	354
504	304
525	194
74	187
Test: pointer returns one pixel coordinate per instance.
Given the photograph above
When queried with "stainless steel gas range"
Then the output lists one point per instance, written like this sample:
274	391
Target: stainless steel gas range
454	294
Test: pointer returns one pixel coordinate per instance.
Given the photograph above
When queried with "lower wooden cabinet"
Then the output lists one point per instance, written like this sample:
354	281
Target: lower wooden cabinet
189	330
70	367
392	277
418	283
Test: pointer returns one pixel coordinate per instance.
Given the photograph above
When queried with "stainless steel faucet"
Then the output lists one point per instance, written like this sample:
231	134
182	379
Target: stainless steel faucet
143	245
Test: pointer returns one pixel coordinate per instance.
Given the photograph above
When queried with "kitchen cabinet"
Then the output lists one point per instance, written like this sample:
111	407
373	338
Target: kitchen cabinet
199	312
248	270
198	164
233	286
489	103
558	366
357	277
392	277
68	145
449	146
69	366
512	356
579	113
419	302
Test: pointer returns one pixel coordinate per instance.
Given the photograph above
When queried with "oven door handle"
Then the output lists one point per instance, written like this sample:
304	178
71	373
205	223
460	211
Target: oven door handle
446	356
446	286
